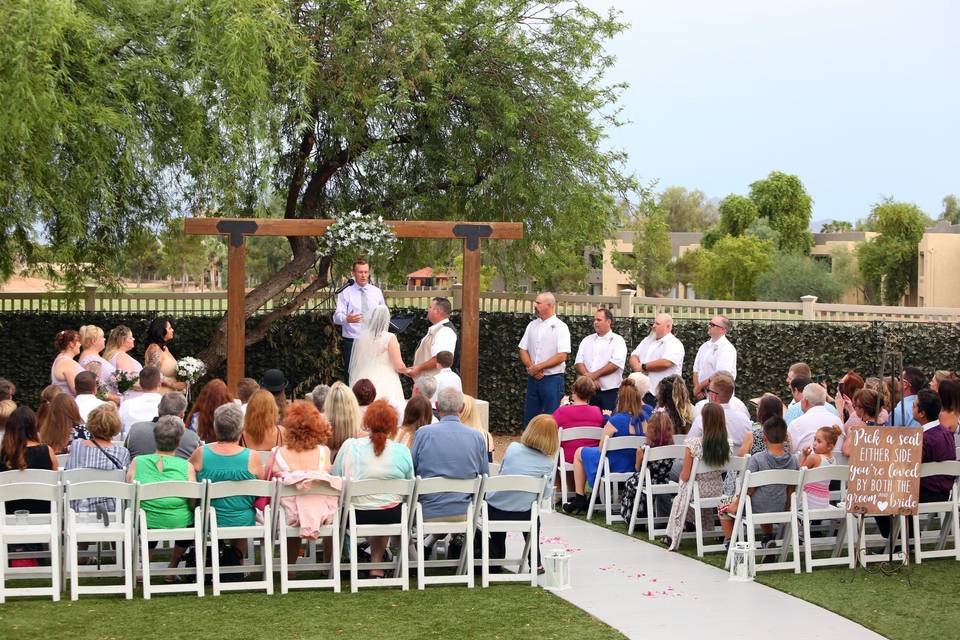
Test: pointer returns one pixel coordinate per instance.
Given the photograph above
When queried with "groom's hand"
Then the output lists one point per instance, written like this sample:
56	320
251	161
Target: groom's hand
354	317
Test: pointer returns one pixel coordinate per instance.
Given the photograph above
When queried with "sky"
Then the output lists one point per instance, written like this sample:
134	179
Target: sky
859	98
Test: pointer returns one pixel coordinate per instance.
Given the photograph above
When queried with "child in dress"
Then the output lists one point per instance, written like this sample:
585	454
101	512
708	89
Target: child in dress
820	454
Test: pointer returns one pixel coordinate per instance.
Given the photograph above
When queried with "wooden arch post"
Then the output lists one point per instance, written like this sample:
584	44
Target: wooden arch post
237	230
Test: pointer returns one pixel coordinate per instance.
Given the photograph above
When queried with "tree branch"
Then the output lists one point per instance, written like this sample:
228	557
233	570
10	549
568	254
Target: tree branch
296	181
263	326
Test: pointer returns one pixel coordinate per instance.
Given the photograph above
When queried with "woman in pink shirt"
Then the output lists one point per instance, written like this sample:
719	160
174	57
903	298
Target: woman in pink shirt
579	413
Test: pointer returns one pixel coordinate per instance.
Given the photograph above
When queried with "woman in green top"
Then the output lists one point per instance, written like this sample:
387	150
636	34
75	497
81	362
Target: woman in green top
226	460
165	466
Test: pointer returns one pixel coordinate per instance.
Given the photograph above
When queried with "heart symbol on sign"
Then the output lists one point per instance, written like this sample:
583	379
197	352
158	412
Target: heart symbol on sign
882	505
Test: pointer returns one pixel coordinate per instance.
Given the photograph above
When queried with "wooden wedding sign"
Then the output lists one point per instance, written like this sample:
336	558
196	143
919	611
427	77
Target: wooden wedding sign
884	470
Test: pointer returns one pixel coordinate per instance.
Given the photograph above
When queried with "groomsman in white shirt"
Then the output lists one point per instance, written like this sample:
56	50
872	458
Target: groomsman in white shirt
716	354
601	357
543	351
658	355
353	304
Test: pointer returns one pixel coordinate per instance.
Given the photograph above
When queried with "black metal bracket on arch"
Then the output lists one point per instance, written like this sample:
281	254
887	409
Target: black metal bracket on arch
236	229
472	233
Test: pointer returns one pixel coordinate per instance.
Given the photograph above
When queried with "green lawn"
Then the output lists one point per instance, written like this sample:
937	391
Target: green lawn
499	612
923	602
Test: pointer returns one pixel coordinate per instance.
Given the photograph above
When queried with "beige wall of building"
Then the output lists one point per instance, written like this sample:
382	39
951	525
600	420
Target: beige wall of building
938	265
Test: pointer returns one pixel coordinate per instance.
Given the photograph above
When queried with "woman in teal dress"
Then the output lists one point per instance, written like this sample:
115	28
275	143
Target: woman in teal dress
226	460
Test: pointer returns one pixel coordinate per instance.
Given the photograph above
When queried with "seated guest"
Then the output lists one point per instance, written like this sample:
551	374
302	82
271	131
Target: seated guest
445	375
21	449
629	420
380	457
770	498
304	453
117	352
416	414
713	450
318	396
449	449
46	397
200	419
245	390
815	415
99	452
820	454
470	416
7	389
673	397
87	401
65	368
938	446
142	408
949	392
659	431
365	393
260	424
938	376
533	456
753	443
226	460
140	440
737	421
275	382
63	424
579	413
877	386
6	408
849	384
343	413
164	466
865	408
913	381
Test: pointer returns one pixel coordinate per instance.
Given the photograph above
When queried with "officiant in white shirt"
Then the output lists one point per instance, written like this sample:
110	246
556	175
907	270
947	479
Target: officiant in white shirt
353	303
440	337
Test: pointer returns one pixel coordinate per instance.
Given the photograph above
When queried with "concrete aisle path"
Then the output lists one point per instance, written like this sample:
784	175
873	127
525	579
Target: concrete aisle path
647	592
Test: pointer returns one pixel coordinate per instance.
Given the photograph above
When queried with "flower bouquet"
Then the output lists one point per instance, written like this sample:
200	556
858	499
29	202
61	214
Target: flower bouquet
123	381
355	234
190	370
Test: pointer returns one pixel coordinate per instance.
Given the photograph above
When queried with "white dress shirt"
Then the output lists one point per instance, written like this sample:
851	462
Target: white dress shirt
596	351
444	338
350	301
544	339
738	424
668	347
142	408
715	355
802	429
87	402
446	378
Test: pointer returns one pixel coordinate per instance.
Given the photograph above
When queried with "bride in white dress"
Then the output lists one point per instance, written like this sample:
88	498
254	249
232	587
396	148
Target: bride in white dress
376	357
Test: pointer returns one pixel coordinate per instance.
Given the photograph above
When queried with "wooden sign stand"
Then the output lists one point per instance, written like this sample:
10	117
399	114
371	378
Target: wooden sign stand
237	229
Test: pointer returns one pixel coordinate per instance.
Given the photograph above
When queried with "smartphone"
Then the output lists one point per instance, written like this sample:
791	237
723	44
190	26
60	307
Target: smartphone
821	378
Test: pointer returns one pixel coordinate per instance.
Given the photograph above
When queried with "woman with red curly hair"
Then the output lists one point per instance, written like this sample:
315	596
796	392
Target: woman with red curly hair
381	457
200	419
304	456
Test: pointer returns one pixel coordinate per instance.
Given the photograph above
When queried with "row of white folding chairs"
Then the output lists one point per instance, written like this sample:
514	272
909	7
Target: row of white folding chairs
122	529
746	521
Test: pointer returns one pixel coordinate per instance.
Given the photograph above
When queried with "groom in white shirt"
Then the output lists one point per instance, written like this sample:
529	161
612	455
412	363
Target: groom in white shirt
440	337
353	304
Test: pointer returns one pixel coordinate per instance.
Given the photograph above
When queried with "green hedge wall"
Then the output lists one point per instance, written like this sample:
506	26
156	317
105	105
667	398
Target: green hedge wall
304	346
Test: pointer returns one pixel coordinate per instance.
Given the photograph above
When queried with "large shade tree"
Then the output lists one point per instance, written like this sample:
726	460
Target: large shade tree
116	115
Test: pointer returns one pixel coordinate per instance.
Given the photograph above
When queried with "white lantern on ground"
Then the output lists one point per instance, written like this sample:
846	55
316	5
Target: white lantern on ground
557	569
741	563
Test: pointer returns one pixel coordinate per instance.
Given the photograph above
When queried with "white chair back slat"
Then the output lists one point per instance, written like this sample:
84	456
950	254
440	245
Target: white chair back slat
172	489
826	473
427	486
580	433
772	477
93	475
943	468
30	491
18	476
619	443
256	488
359	488
527	484
663	453
99	489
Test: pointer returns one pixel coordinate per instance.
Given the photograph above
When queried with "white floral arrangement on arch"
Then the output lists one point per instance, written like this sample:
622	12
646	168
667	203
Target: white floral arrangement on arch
356	235
190	369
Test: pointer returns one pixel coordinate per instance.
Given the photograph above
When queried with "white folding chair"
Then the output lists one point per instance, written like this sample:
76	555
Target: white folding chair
358	489
258	531
648	491
527	484
573	433
39	528
330	530
846	529
788	519
39	476
679	438
606	481
948	512
84	527
175	489
494	469
429	486
736	465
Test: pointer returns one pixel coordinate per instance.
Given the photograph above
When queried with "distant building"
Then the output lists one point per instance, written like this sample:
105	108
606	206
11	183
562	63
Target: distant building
426	279
938	263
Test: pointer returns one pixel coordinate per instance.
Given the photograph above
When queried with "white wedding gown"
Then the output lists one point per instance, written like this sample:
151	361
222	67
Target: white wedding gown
375	366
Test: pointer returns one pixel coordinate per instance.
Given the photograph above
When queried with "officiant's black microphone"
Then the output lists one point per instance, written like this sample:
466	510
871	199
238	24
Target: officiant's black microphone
346	284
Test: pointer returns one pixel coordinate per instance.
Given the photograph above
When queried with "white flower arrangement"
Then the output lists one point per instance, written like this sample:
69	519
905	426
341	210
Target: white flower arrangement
123	381
190	370
360	234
